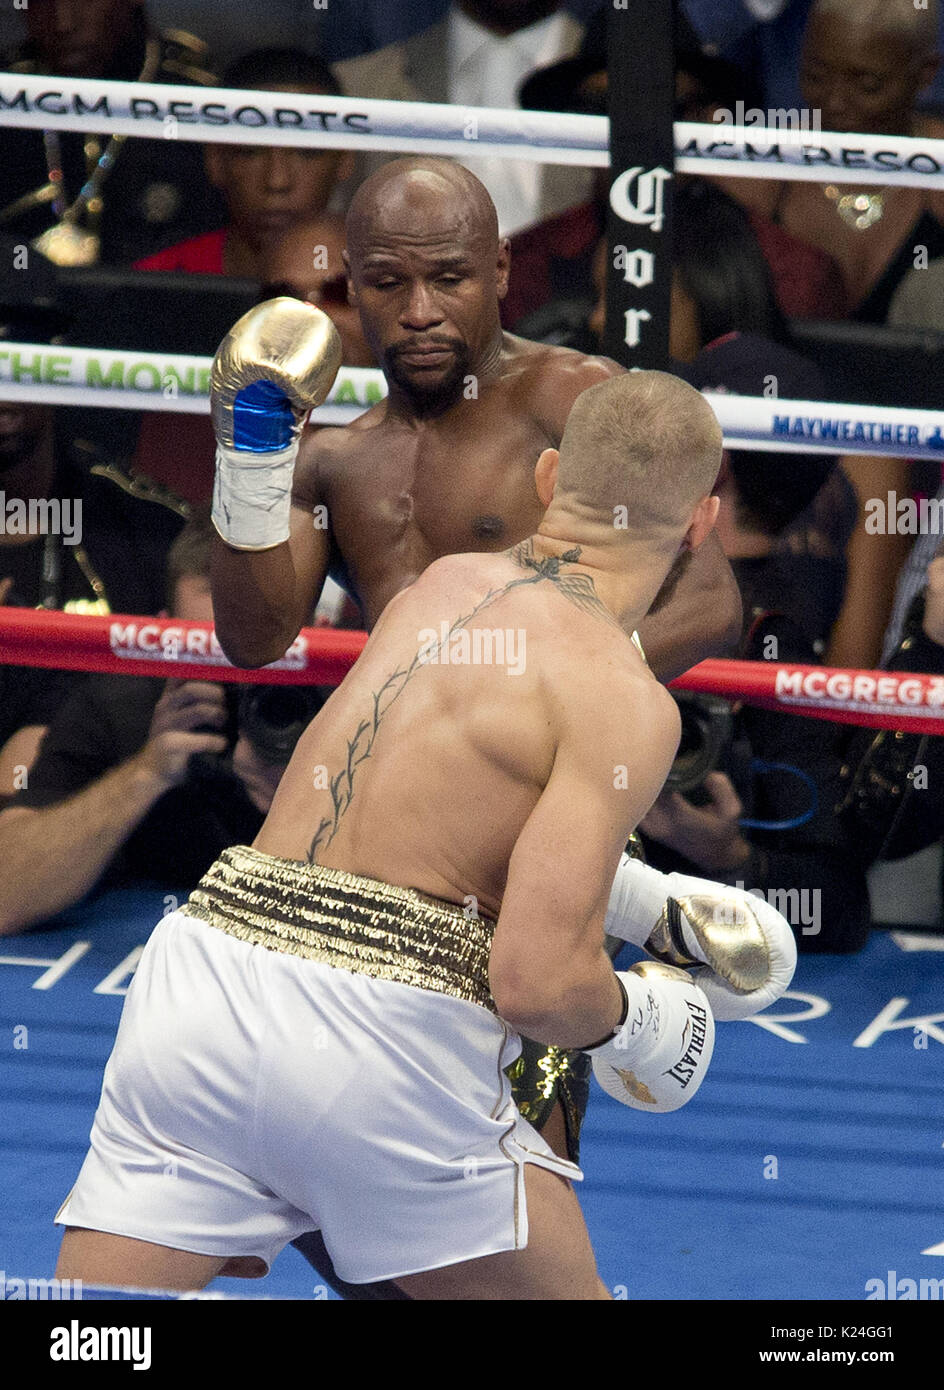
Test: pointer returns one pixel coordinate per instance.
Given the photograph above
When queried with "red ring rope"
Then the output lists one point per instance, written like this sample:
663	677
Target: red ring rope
129	645
125	644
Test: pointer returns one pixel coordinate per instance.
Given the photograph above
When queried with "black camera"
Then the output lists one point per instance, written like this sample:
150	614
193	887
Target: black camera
271	717
706	739
274	717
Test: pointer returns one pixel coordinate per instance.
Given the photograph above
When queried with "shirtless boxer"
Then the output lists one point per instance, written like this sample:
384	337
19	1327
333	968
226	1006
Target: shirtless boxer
318	1037
444	465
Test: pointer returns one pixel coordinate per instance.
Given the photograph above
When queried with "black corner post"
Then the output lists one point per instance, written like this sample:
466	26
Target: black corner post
641	66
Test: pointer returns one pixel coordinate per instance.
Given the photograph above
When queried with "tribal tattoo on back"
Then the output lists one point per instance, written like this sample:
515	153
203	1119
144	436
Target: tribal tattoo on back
576	588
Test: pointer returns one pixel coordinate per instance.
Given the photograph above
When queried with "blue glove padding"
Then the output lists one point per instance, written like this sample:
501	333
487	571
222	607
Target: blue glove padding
263	419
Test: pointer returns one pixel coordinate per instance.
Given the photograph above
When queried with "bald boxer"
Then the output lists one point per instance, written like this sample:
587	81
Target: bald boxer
443	465
319	1036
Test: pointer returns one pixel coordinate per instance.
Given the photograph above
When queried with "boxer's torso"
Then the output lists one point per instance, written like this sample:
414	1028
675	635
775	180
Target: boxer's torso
401	493
422	771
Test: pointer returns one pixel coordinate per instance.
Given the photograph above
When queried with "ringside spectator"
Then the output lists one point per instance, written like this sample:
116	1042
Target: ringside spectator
807	282
131	782
862	69
267	189
478	55
76	532
307	262
116	198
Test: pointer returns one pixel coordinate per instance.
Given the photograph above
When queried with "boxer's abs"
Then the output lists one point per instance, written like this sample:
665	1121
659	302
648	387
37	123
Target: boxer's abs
423	767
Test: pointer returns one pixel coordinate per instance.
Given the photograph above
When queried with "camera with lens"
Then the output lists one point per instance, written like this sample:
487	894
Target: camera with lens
705	743
274	717
271	717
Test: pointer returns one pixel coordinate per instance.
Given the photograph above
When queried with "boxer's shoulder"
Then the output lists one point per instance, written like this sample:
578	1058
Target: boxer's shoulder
549	379
554	363
327	447
604	698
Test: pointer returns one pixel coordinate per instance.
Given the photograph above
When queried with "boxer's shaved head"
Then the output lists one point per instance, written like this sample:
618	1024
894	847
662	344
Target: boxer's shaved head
390	196
426	270
646	441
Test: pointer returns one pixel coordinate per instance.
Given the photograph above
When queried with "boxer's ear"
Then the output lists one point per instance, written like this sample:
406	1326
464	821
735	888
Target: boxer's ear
702	523
545	475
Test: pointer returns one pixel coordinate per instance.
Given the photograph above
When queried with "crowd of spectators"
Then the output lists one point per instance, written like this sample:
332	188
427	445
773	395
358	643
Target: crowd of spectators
111	768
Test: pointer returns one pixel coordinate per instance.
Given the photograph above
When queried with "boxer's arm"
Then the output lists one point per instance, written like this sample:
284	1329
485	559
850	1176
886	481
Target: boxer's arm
549	972
275	365
700	616
262	598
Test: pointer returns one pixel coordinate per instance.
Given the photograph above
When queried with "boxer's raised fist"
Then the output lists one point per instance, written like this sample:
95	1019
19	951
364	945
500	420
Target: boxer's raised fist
742	949
274	365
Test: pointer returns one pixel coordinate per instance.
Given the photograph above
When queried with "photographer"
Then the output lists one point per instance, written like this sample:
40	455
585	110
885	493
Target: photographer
763	816
133	781
894	781
753	793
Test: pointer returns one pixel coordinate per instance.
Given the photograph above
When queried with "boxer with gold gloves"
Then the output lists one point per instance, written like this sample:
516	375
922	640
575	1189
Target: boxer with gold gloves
275	364
320	1032
433	470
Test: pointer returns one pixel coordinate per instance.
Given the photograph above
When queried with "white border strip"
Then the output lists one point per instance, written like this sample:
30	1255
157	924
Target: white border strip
165	381
229	115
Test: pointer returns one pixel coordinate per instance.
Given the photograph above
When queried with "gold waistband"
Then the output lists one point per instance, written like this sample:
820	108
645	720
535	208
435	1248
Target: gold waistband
346	921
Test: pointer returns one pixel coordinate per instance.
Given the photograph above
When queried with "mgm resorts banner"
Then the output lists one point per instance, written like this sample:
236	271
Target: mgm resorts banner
781	143
791	152
165	111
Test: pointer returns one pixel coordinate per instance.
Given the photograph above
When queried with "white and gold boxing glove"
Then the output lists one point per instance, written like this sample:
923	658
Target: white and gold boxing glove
659	1055
275	364
742	949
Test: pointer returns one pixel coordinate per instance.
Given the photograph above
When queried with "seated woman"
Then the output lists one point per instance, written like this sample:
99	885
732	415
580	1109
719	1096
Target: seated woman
863	67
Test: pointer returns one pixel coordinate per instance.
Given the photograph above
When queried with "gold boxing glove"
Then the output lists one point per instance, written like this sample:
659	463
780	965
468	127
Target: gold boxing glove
741	950
275	364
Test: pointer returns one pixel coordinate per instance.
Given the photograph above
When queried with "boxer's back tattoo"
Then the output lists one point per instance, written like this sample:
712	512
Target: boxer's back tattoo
576	588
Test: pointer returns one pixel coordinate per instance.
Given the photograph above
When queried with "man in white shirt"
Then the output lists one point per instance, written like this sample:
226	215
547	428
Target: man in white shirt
479	55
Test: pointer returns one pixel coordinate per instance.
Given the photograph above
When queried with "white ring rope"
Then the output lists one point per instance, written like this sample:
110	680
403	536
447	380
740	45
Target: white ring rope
165	381
229	115
808	156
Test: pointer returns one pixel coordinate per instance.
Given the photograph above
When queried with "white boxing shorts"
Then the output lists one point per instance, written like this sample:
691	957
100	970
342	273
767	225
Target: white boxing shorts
306	1049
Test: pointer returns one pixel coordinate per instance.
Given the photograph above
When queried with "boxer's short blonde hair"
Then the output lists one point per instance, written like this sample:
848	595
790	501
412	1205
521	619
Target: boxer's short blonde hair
644	440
